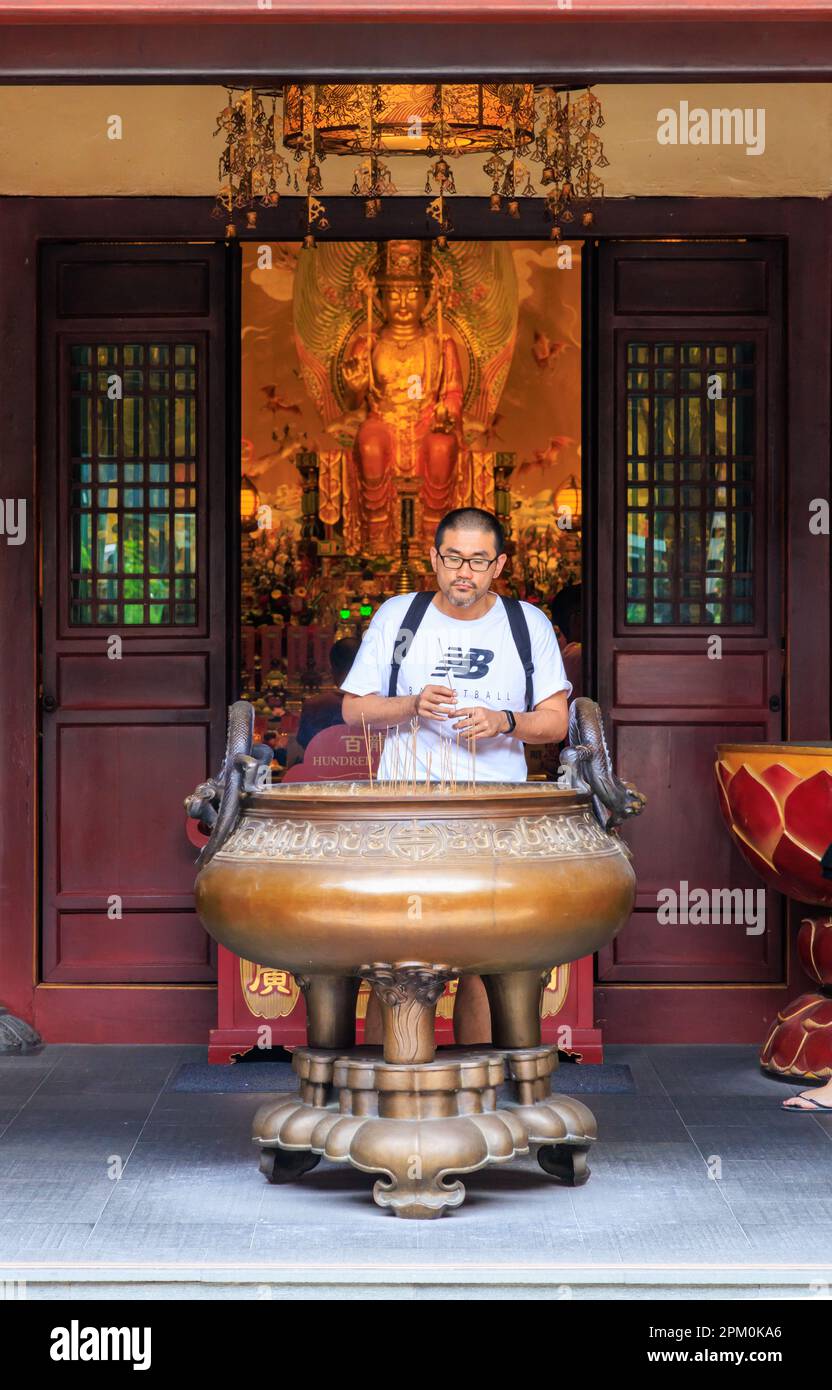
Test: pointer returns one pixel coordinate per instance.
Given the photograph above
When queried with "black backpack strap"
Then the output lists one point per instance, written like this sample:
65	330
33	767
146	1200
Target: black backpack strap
522	641
419	605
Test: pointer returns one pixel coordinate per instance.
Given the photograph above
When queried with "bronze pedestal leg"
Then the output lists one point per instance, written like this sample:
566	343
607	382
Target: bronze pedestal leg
515	1007
408	993
330	1009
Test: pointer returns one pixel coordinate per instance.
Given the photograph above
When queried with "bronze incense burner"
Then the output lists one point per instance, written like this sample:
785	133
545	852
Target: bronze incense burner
339	882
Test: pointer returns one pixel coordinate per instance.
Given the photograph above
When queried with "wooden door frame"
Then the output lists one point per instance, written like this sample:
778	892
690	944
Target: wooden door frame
804	224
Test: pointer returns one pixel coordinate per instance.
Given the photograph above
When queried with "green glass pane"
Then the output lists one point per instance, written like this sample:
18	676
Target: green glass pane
133	354
106	542
664	496
133	560
159	588
636	542
133	613
133	472
662	612
134	497
664	537
107	613
82	542
692	586
185	534
133	426
133	381
691	538
691	441
81	472
186	588
714	612
743	586
662	588
81	588
691	613
81	427
80	355
184	426
744	425
159	381
665	426
743	613
638	426
159	613
106	416
106	588
158	354
636	612
159	472
185	355
80	613
742	539
159	497
636	588
134	588
184	613
107	472
159	544
716	541
158	426
82	497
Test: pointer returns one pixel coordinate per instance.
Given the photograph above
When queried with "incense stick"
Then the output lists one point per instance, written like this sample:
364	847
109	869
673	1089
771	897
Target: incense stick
365	726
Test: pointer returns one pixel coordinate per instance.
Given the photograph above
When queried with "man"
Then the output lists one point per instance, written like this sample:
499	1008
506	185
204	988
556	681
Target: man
464	662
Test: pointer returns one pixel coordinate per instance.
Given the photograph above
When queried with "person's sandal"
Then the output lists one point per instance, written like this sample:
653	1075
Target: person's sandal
811	1109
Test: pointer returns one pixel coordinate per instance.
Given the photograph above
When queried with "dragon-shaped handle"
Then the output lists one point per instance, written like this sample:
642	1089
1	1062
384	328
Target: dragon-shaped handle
586	765
245	767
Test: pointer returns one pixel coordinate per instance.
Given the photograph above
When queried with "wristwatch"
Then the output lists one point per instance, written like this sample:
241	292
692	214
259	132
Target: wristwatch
512	722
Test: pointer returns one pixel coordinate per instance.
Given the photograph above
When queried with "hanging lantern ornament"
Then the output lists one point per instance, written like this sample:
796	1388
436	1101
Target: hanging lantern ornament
570	151
510	176
308	156
250	168
372	179
440	174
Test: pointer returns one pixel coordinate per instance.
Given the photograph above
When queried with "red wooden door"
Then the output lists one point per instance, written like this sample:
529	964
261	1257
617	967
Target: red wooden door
134	655
689	611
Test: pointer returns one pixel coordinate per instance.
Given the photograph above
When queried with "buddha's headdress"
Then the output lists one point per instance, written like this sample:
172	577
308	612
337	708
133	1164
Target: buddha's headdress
405	263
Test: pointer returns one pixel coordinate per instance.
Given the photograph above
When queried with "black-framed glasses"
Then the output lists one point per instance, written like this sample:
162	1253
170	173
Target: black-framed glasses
478	563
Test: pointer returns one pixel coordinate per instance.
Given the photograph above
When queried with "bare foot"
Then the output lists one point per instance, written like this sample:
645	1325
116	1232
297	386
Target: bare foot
809	1100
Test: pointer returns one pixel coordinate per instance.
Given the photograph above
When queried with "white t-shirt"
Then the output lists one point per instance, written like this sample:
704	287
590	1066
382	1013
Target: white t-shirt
476	657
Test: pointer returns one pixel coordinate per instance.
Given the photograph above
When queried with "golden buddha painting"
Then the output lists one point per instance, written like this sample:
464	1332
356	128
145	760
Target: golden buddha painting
406	357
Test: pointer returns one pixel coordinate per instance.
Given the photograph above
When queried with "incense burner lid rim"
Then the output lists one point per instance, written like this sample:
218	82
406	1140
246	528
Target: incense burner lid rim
357	800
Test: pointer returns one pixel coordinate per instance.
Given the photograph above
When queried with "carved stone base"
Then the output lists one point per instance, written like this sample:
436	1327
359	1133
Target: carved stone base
15	1035
419	1125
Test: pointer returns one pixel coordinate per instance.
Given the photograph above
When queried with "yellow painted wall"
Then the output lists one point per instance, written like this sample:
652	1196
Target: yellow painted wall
53	141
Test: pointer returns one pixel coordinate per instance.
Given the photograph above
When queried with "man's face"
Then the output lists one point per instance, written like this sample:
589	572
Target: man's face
462	587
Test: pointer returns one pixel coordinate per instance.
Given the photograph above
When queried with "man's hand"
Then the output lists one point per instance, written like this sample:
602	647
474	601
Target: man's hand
481	723
436	702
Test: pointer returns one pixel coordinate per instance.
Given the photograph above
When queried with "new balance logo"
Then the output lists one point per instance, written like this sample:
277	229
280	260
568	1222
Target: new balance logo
473	666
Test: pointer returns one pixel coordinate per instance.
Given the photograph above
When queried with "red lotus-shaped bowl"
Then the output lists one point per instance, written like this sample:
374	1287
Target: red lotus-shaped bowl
777	802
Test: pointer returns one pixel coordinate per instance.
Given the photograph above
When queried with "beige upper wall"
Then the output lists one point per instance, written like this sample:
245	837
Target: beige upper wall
53	142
